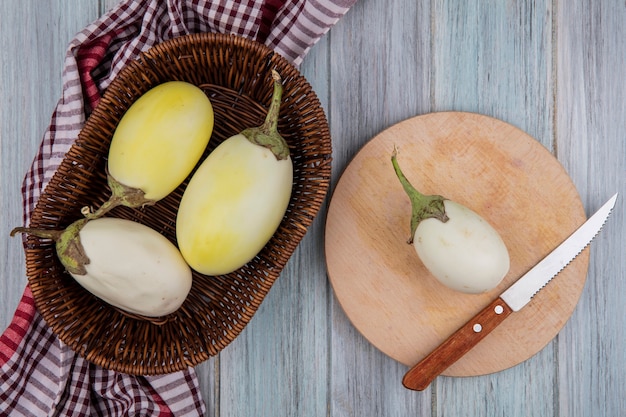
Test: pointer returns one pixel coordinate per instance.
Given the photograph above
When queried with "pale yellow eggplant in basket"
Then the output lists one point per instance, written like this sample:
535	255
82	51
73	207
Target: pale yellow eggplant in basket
156	145
235	201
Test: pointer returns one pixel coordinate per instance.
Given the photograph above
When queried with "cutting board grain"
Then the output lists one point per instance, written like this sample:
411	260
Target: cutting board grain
491	167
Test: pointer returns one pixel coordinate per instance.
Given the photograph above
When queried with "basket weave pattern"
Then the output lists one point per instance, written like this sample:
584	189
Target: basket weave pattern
235	74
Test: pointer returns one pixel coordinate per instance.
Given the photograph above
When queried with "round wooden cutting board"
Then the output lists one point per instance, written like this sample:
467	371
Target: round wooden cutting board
493	168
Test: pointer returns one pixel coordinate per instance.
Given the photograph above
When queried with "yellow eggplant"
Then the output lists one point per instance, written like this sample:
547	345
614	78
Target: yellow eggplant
237	198
156	145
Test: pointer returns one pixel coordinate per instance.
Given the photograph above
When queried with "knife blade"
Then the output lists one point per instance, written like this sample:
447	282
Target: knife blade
511	300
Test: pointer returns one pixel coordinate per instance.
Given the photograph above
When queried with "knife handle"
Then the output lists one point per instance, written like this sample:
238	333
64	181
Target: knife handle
452	349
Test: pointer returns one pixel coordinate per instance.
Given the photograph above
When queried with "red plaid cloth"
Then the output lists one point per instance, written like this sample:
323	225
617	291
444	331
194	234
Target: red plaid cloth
39	375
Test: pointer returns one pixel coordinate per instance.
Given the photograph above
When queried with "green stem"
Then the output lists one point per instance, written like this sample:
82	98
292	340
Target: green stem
121	195
107	206
67	242
267	134
271	120
55	235
422	206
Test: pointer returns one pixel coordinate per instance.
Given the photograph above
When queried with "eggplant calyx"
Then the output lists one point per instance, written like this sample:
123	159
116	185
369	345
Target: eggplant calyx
70	249
422	206
121	195
68	246
267	134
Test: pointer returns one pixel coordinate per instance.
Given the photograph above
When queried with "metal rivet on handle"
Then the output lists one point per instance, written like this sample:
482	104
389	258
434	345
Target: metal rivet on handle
499	309
477	328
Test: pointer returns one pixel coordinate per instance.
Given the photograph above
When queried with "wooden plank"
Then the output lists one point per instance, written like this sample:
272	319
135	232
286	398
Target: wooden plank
279	364
380	75
494	58
33	40
591	57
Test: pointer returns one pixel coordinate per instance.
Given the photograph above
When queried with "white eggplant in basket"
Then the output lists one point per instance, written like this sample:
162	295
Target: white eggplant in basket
127	264
237	198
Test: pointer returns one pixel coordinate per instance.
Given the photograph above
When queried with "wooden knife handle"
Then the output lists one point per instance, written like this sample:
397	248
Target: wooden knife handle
421	375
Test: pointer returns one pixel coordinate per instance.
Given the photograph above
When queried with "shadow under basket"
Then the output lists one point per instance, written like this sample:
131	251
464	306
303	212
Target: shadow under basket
235	73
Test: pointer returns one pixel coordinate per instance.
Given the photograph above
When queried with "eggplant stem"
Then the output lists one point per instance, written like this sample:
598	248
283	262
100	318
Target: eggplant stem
67	243
107	206
267	134
55	235
121	195
422	206
271	120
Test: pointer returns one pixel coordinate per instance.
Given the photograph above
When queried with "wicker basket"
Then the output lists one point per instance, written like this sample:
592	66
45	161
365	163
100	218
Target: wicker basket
235	74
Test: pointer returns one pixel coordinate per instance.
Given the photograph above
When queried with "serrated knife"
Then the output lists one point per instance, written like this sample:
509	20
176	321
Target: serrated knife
511	300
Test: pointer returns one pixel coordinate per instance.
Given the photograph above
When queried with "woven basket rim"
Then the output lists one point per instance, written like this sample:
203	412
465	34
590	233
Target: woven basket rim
237	71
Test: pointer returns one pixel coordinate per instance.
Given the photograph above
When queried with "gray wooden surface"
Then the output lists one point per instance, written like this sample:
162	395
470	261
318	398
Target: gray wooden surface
552	68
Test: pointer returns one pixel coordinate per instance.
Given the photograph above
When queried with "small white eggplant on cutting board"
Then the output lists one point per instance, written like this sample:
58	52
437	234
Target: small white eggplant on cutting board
459	247
237	198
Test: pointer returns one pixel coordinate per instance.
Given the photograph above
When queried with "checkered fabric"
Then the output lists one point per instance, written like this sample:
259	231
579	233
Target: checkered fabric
39	375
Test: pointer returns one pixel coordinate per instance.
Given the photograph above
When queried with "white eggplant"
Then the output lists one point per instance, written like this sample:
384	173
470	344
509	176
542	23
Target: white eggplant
156	145
459	248
237	198
127	264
